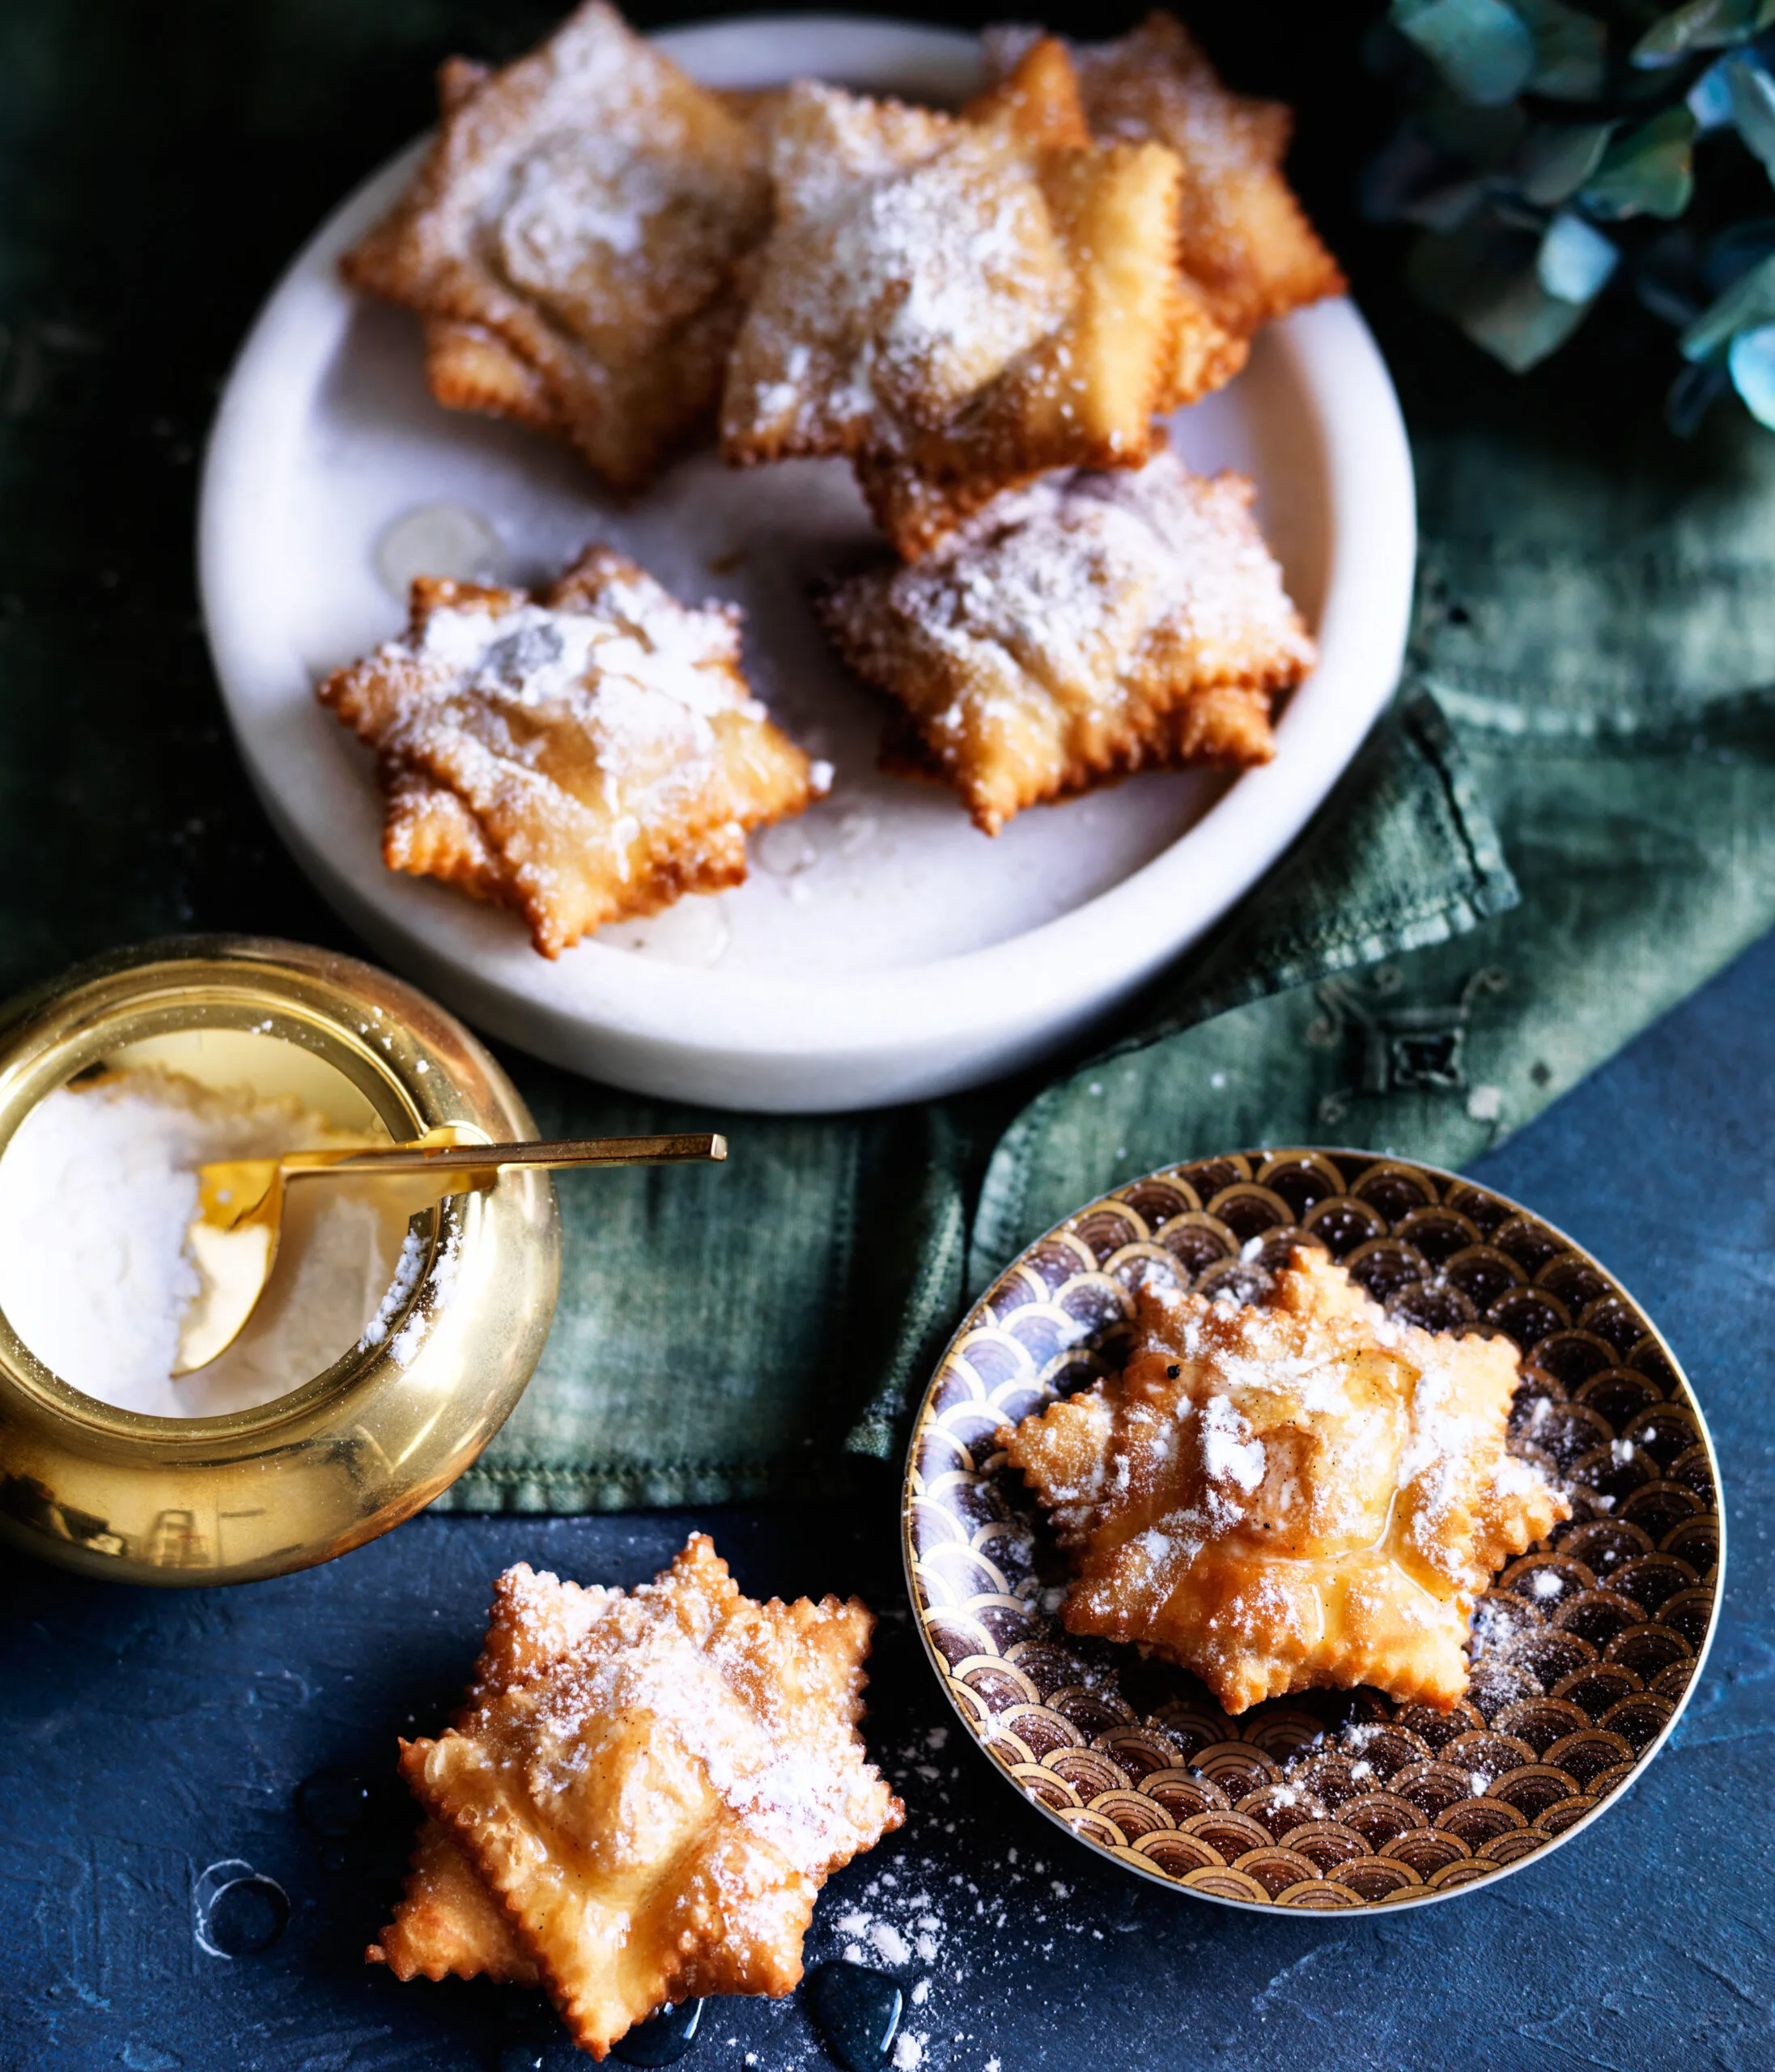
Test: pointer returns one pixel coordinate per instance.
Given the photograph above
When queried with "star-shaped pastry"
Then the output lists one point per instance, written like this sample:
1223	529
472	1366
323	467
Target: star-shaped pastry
1246	244
957	304
1090	624
575	241
1291	1492
654	1799
584	752
447	1921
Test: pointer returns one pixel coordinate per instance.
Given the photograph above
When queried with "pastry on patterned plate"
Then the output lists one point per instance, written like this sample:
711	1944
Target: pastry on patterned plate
1247	246
655	1805
585	753
574	240
1089	626
958	305
1293	1492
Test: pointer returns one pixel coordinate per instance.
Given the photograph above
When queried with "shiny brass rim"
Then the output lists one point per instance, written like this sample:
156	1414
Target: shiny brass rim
382	1432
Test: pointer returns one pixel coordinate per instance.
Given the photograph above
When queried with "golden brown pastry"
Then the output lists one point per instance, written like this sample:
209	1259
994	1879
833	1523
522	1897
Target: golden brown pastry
574	240
958	305
655	1805
583	752
1246	244
1089	626
1294	1491
447	1921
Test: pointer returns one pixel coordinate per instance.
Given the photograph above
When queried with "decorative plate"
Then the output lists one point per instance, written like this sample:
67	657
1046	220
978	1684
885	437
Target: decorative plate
883	949
1587	1645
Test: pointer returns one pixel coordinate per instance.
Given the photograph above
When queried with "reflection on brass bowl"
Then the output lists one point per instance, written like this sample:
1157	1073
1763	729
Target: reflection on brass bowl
386	1427
1603	1626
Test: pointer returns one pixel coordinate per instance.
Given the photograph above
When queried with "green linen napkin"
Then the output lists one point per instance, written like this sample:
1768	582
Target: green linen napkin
1596	617
1587	716
1593	658
730	1332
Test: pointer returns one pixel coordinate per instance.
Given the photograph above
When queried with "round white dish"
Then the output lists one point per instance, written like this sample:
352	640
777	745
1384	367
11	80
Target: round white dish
883	949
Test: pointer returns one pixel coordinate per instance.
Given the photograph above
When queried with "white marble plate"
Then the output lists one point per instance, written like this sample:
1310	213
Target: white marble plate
883	949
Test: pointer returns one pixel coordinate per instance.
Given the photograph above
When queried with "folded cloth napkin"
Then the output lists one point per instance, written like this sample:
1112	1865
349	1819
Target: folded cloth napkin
1587	721
728	1333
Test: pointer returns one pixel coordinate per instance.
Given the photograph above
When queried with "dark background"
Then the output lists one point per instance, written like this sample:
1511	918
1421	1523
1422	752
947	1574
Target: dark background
158	167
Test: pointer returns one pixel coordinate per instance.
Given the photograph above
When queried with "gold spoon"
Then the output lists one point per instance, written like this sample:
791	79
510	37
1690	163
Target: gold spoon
233	1237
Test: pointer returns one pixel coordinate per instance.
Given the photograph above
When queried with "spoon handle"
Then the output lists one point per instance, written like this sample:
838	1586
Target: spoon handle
480	1157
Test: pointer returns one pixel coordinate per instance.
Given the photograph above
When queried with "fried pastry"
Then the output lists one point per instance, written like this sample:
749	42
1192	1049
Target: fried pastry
1290	1492
1089	626
1037	102
447	1921
1086	395
584	752
958	305
1246	243
655	1809
574	241
467	367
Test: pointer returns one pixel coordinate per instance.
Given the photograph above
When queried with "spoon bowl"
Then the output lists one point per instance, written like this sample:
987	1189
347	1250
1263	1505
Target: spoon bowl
232	1239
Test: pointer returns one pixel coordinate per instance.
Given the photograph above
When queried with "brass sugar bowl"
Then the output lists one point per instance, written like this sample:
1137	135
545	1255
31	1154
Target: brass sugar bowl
389	1425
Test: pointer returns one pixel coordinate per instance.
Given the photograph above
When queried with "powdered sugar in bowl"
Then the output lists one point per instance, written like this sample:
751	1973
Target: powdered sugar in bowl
390	1346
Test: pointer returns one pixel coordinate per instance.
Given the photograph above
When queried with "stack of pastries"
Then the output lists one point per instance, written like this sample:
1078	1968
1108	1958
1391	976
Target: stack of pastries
985	312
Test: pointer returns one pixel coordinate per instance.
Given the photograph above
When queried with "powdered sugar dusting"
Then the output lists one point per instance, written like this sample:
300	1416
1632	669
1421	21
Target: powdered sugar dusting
913	260
406	1278
698	1665
634	639
1228	1452
1274	1496
1064	586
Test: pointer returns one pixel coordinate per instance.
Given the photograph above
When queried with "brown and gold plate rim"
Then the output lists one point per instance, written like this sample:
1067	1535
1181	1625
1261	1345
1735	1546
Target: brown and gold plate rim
1244	1169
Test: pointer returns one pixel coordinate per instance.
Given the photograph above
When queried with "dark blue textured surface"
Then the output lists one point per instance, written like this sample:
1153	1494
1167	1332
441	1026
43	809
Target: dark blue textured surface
145	1736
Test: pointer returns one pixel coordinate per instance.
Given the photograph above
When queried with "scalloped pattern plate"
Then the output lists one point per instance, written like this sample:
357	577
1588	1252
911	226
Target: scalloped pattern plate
1585	1649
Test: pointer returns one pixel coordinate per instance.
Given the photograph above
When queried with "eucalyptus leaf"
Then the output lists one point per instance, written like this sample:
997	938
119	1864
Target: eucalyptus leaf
1732	253
1535	127
1692	394
1402	173
1481	48
1701	25
1710	99
1483	276
1526	324
1445	208
1488	138
1749	303
1556	161
1752	360
1649	171
1571	50
1753	107
1575	260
